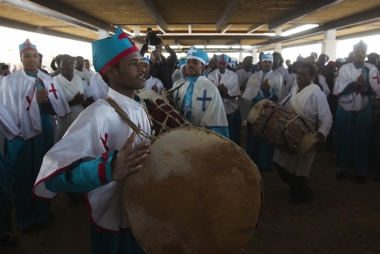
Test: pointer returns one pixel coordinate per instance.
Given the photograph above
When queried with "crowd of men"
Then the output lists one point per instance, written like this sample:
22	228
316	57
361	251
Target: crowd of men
59	135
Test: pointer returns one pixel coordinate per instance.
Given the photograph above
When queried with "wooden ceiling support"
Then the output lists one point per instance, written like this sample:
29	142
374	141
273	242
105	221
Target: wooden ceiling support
150	9
305	10
229	10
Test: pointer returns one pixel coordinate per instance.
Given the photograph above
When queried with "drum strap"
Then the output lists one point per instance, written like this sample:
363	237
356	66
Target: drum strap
126	119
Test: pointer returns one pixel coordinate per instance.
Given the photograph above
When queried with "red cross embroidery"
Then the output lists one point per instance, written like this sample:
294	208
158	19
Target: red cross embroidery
377	77
54	91
29	102
104	141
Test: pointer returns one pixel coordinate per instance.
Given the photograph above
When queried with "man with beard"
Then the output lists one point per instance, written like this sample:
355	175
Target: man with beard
310	103
356	83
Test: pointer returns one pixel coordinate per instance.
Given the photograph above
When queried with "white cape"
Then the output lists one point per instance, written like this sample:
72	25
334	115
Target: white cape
213	114
83	140
231	81
18	96
254	84
99	87
347	74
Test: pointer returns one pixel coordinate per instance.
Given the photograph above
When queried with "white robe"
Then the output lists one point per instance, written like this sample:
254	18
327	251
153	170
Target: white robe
254	84
69	90
314	109
214	114
243	75
244	106
323	83
347	74
99	87
230	80
284	73
18	96
150	82
83	140
291	83
84	74
177	75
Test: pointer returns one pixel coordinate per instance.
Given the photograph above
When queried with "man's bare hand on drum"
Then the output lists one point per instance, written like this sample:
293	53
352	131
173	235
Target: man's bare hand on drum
129	160
321	139
265	86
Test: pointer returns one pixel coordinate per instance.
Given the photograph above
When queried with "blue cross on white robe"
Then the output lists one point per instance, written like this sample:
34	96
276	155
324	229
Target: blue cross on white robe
204	99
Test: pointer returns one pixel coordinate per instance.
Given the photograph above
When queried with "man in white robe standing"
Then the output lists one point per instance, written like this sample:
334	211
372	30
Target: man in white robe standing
82	72
264	84
198	99
31	98
100	150
151	83
243	75
310	103
356	83
73	90
228	84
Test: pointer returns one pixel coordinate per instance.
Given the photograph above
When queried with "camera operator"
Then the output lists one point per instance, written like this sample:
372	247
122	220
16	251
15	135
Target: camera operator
160	67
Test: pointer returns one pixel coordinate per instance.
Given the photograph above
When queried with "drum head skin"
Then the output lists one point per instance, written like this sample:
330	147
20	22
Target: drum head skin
197	193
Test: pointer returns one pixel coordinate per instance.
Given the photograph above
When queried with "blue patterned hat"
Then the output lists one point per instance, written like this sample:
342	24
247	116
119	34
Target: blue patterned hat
197	54
109	51
267	57
182	62
361	43
223	58
145	59
26	46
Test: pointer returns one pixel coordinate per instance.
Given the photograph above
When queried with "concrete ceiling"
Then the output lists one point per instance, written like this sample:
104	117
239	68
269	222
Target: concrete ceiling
231	23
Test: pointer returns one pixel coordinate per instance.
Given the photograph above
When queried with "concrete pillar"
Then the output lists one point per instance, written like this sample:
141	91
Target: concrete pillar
329	44
102	33
241	57
278	46
136	31
254	54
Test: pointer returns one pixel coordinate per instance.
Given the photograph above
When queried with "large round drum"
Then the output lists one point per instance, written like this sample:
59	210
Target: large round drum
197	193
283	129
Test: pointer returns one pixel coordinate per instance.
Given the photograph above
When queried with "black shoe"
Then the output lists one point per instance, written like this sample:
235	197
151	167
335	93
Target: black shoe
8	240
376	178
341	175
360	179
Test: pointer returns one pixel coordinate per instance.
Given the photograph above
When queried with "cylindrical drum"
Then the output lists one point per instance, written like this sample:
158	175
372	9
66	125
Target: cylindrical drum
283	129
163	116
198	192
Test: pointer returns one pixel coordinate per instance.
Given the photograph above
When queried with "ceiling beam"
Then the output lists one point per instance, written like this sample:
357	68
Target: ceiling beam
186	36
254	28
41	30
353	20
150	9
62	12
226	29
305	10
229	10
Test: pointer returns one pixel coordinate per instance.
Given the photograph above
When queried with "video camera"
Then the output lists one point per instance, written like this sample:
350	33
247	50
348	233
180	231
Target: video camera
151	37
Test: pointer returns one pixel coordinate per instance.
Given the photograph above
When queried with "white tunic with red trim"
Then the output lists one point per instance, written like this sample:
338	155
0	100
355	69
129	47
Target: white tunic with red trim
348	74
18	96
231	81
96	131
